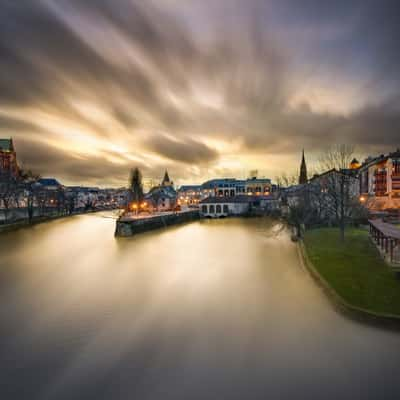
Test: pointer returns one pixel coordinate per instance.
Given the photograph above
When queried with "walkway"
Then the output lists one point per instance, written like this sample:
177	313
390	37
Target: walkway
387	239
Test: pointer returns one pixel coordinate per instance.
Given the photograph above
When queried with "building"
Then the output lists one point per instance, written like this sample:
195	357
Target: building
190	195
230	187
8	160
379	180
303	171
329	181
224	206
49	192
49	184
292	196
221	187
162	197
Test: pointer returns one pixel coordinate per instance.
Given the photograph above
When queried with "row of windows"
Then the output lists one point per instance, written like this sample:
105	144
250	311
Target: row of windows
252	190
214	209
226	193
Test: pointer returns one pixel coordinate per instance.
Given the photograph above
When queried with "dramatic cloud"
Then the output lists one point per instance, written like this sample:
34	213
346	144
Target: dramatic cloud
89	88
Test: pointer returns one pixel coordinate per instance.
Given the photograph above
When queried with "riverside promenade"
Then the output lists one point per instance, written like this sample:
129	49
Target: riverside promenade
129	225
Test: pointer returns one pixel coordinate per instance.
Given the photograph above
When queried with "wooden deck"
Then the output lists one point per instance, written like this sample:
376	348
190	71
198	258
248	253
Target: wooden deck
387	238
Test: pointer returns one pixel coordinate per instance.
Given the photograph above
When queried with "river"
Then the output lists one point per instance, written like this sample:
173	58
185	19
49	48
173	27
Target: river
216	309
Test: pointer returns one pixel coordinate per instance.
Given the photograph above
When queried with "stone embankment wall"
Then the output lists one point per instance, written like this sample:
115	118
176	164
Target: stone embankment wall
128	227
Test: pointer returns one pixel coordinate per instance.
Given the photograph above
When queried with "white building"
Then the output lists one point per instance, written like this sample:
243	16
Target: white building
223	206
217	207
229	187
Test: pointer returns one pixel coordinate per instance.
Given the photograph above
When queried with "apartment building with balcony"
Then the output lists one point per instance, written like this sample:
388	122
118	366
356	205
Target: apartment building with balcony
380	181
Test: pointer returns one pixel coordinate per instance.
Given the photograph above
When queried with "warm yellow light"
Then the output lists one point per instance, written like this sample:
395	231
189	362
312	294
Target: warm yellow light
362	199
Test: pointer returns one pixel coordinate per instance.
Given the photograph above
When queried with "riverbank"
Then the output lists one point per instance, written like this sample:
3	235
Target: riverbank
352	273
24	223
131	225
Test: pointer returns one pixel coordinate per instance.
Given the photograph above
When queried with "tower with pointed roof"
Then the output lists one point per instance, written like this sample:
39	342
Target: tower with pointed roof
166	181
303	171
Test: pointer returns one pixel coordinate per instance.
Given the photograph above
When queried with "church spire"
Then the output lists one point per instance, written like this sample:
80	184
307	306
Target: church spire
303	171
166	181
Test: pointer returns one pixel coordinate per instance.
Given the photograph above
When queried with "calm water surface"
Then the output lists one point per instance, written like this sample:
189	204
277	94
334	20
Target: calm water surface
210	310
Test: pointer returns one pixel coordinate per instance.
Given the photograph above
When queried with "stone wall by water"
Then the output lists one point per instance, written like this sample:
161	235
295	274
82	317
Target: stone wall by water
129	227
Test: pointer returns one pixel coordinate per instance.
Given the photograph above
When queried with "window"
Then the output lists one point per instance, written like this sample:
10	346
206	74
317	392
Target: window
218	208
204	209
226	209
212	209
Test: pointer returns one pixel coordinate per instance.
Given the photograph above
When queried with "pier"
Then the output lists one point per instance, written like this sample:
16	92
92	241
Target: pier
129	225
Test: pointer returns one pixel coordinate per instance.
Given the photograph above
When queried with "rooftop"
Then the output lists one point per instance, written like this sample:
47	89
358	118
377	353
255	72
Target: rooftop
189	187
232	181
49	182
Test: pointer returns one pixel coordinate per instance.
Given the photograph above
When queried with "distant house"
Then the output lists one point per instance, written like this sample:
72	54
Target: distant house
162	197
8	160
332	177
49	184
293	195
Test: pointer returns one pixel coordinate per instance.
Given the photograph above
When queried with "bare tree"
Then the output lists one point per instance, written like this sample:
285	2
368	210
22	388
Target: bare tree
8	194
285	180
336	187
28	180
135	191
295	203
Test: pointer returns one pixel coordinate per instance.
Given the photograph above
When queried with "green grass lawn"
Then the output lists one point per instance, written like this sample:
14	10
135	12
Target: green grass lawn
354	269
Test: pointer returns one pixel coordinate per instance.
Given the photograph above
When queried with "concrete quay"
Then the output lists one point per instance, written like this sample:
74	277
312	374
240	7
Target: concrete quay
129	225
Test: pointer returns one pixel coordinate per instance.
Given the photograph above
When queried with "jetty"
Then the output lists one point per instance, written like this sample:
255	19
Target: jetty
129	225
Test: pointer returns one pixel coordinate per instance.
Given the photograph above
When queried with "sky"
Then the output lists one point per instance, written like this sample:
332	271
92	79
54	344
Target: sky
211	88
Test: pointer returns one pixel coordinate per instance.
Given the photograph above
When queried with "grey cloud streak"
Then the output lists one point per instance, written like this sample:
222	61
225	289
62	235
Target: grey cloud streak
188	151
149	72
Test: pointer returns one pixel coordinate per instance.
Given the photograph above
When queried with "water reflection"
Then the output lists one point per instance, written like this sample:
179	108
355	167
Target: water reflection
214	309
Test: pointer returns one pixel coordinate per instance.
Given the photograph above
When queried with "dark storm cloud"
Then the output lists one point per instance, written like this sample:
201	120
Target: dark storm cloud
228	72
188	151
363	32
